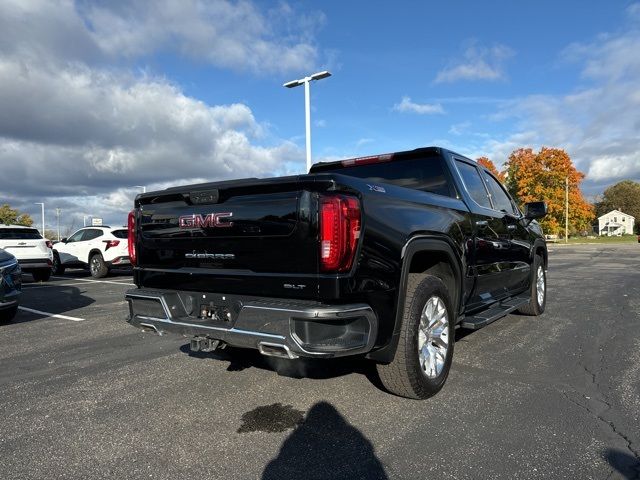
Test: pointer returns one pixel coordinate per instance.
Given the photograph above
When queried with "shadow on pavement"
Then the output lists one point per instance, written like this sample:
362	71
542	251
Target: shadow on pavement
240	359
627	465
62	301
114	273
325	446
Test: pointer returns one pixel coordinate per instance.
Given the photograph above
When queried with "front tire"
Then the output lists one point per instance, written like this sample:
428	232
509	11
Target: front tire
425	348
537	290
57	268
42	275
97	267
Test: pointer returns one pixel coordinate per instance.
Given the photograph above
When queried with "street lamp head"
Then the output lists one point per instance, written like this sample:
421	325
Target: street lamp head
293	83
301	81
320	75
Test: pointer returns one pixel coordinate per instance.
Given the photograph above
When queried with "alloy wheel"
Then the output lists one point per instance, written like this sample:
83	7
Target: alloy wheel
433	337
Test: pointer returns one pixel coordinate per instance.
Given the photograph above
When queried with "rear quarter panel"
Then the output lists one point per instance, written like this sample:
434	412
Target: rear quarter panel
391	217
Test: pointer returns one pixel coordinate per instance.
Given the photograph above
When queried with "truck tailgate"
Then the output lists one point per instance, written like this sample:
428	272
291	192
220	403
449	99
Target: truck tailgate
229	237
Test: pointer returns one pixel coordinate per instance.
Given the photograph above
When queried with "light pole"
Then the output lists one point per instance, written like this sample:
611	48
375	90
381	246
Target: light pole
42	205
307	105
143	187
58	221
566	210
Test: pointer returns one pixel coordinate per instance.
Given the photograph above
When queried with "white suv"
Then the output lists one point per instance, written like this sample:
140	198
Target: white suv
99	248
32	251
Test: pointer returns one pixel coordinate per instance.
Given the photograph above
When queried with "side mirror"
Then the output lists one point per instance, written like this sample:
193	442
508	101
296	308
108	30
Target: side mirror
533	210
64	240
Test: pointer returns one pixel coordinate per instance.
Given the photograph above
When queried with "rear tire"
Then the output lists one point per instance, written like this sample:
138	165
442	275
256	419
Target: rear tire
57	268
8	314
425	347
97	267
41	275
537	290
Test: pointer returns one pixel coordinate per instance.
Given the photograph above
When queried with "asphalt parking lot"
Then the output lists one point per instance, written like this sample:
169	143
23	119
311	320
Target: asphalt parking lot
85	395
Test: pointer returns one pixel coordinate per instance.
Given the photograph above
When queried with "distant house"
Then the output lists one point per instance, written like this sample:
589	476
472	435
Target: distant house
615	223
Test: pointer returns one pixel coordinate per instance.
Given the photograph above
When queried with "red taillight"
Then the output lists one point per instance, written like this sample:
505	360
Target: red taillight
49	244
111	243
131	236
339	232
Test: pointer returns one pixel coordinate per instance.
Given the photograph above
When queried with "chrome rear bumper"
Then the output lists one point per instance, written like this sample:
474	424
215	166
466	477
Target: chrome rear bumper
299	328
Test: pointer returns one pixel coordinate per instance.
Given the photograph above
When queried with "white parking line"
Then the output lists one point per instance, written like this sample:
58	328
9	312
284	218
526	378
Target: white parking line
95	281
54	315
31	286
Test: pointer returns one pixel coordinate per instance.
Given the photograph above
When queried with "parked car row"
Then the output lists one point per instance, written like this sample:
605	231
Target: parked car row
96	248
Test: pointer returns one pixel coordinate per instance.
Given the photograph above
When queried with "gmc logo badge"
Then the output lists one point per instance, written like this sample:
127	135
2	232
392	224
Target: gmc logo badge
212	220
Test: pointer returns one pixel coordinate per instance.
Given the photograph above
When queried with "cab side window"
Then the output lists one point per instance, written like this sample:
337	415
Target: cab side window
501	200
474	183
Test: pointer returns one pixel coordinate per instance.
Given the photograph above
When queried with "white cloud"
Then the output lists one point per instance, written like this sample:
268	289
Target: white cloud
459	128
598	123
363	141
478	63
78	132
407	106
228	34
633	11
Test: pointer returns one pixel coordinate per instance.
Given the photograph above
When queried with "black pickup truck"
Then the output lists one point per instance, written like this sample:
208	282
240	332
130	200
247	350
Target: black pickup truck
382	256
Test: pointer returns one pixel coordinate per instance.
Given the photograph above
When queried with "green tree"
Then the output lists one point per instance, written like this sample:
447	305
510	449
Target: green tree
11	216
623	196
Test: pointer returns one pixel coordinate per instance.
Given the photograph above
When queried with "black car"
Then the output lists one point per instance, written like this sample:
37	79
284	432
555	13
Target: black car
10	286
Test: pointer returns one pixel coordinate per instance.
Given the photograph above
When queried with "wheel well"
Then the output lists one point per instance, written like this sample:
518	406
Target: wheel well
92	253
438	264
543	253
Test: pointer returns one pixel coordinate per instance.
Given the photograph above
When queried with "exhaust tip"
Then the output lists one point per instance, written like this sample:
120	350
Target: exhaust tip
148	327
276	350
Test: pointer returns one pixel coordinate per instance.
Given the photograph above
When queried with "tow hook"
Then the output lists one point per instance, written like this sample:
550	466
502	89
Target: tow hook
204	344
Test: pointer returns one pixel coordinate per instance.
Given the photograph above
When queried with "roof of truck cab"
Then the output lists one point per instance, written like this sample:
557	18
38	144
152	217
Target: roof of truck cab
433	150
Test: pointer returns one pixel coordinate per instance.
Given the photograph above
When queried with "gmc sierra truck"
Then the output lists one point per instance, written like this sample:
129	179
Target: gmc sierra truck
382	256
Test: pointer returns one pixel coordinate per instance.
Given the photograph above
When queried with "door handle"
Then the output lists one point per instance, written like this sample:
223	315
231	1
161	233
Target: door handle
511	227
482	223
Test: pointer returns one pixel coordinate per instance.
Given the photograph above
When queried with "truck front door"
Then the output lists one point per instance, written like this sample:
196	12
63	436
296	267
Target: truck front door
519	254
489	257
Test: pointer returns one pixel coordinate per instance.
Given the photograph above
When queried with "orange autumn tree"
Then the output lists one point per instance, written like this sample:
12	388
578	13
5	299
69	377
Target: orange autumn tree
489	165
532	176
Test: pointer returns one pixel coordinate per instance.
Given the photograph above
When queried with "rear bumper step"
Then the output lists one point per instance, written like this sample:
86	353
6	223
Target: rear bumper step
275	327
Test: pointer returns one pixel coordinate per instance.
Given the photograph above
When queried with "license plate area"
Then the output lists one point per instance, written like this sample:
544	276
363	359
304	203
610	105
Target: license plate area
218	310
216	313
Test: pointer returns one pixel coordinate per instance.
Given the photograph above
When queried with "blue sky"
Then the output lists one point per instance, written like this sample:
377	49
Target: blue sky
96	97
